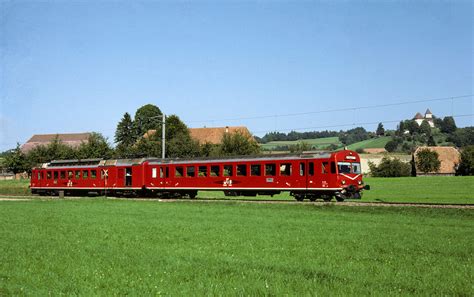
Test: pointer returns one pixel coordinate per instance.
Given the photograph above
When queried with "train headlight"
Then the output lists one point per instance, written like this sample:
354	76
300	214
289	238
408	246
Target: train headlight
360	182
343	182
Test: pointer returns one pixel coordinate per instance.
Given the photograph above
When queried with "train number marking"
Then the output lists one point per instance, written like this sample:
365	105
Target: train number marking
227	182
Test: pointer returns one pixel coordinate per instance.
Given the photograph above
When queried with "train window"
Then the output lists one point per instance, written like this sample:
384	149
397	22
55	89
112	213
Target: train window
344	167
179	171
153	172
228	170
215	170
202	171
311	168
356	168
85	174
285	169
324	167
93	174
191	171
42	175
63	174
162	173
39	175
241	170
333	167
48	174
56	175
167	172
270	169
256	170
302	169
78	174
69	174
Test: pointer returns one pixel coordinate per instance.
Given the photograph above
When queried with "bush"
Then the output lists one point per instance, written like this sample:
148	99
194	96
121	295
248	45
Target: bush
390	168
427	161
391	146
466	166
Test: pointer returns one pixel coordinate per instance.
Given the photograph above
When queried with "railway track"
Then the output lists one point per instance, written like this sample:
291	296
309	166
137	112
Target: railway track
259	201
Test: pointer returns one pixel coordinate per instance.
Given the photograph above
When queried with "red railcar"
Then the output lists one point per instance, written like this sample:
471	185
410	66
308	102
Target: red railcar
312	176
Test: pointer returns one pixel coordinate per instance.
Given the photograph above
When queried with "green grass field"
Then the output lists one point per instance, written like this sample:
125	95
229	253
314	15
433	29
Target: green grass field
322	143
370	143
122	247
318	143
433	189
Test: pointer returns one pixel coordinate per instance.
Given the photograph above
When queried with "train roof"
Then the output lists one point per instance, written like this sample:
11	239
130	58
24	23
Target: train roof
88	163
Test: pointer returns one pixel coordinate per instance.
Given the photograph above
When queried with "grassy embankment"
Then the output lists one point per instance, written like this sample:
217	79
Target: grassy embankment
433	189
323	143
317	143
117	247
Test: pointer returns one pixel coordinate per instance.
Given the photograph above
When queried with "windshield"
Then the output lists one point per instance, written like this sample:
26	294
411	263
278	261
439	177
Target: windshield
347	167
356	168
344	167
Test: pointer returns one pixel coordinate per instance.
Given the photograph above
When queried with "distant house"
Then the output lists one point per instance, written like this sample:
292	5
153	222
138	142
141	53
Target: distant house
419	118
210	135
448	156
215	135
71	139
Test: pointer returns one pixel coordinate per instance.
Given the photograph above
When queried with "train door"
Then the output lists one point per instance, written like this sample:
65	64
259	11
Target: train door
128	176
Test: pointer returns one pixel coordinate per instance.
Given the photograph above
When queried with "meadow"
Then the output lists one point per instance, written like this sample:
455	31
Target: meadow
117	247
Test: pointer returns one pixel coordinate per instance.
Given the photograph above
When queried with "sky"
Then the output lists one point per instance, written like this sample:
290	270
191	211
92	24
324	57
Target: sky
78	66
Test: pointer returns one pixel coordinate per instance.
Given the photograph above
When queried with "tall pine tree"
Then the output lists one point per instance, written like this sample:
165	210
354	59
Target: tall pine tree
124	134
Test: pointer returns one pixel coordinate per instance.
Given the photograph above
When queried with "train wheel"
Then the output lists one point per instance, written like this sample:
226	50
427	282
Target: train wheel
299	197
193	195
312	198
339	199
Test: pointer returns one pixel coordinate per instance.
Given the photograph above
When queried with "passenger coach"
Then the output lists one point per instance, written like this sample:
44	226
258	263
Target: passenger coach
311	176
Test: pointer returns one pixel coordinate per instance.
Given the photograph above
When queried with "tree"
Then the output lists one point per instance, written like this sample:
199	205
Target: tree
427	161
147	117
96	147
425	128
125	134
179	143
353	135
462	137
15	161
431	141
391	146
448	126
380	130
412	126
466	165
300	147
390	168
237	143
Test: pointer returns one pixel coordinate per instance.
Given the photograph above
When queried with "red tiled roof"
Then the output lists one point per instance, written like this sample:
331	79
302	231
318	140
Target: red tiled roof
70	139
215	135
210	135
418	116
448	156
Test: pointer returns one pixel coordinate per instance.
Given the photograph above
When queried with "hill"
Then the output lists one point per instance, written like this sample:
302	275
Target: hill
317	143
379	142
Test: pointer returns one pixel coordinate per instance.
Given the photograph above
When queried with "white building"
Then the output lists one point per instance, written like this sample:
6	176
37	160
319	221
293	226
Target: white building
428	117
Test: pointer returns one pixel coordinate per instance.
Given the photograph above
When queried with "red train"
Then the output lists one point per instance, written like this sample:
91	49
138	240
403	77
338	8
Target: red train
311	176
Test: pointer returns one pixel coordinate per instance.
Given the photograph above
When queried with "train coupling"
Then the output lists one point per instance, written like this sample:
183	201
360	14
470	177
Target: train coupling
366	187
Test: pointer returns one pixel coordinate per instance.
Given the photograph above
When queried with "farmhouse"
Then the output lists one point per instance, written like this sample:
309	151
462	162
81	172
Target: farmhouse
71	139
215	135
448	156
210	135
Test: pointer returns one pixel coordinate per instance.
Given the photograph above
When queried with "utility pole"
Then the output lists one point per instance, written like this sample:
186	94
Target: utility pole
163	136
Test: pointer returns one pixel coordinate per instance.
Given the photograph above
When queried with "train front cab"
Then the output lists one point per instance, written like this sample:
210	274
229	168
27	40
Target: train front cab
349	175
